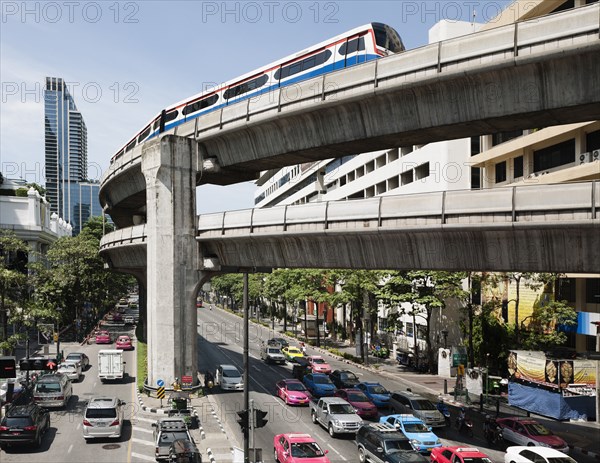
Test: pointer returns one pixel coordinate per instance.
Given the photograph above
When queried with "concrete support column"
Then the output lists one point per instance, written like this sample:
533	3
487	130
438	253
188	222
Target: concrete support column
172	259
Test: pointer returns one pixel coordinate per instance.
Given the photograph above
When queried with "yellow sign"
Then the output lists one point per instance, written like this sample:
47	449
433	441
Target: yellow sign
460	370
55	337
160	392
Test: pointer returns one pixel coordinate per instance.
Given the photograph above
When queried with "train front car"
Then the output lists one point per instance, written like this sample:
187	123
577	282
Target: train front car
387	39
356	46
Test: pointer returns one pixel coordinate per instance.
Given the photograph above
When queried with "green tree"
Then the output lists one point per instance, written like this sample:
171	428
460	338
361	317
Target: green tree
13	282
73	274
426	292
358	289
544	330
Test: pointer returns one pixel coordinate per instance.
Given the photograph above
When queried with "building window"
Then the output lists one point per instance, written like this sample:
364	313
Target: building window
501	172
382	324
406	177
592	290
592	141
518	167
475	178
503	137
566	289
475	145
422	171
554	156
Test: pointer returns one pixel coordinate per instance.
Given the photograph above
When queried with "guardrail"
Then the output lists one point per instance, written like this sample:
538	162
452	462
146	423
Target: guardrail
574	202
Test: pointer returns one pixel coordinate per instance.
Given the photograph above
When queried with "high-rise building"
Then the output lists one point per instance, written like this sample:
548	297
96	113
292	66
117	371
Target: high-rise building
70	194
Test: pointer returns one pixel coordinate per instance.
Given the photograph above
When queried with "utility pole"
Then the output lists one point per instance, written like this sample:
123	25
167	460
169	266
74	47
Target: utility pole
246	368
251	429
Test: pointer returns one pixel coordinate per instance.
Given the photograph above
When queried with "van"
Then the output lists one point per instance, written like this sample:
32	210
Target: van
271	353
53	390
103	417
110	364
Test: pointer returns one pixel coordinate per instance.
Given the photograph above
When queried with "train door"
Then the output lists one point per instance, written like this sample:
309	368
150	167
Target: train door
356	52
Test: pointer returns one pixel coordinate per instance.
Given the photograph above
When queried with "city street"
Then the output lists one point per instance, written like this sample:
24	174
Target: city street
220	341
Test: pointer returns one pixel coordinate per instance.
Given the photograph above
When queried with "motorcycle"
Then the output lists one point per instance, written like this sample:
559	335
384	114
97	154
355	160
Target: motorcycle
443	409
464	425
493	434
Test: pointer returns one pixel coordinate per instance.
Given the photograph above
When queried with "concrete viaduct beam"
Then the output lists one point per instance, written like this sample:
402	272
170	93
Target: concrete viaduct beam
530	92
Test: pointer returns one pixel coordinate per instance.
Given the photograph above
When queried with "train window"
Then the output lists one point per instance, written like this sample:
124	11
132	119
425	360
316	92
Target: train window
144	134
304	65
352	46
232	92
388	38
200	104
296	68
130	145
171	115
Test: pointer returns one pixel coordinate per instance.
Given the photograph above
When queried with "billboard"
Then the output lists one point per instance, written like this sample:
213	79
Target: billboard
555	374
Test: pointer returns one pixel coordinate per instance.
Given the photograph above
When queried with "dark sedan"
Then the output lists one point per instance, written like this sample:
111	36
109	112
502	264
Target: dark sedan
344	379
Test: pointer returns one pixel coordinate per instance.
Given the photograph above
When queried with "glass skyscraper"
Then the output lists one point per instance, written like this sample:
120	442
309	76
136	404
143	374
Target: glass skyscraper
71	195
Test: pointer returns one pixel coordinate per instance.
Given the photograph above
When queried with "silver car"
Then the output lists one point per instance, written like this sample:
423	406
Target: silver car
53	390
103	417
71	369
229	378
414	404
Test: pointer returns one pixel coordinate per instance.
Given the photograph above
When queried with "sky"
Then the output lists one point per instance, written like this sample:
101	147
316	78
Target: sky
126	61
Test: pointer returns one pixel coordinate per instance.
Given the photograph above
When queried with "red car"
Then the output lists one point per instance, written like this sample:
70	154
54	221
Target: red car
361	403
293	392
124	342
458	455
298	448
318	365
530	432
103	337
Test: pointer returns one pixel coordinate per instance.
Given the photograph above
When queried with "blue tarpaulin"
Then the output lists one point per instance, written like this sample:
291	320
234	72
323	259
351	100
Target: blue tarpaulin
551	404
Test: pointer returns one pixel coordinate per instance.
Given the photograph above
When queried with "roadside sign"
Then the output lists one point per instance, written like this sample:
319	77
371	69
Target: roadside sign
160	393
160	383
186	379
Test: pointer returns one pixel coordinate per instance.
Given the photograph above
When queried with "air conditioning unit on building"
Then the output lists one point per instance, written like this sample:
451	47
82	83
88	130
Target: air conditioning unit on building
584	157
595	156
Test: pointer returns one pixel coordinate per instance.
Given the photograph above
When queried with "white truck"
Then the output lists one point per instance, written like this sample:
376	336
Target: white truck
110	364
335	414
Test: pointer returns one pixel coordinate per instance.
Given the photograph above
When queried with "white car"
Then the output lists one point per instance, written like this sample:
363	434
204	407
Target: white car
229	378
103	417
535	454
72	370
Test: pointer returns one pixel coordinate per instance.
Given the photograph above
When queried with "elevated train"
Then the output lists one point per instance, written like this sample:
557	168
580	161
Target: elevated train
356	46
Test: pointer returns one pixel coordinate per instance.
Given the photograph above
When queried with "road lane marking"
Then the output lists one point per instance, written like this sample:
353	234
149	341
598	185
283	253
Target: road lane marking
137	428
142	457
147	420
141	441
70	448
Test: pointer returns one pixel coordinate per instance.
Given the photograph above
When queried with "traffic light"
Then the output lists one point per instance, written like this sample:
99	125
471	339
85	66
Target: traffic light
259	418
243	420
8	367
38	364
